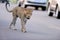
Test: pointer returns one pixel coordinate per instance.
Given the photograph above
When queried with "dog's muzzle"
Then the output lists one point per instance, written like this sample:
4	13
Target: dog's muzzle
28	18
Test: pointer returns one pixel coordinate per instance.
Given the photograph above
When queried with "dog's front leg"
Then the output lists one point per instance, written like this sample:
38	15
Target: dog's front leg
23	29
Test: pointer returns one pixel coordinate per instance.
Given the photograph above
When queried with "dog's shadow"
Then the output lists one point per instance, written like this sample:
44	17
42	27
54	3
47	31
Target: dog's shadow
31	32
37	33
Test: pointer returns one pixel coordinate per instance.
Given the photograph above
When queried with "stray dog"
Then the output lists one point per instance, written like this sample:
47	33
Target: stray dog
23	14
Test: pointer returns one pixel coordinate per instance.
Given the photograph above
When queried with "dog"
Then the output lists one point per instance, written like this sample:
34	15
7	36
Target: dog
23	13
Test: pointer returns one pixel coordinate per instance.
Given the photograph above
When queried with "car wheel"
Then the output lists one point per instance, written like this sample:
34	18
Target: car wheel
57	12
36	8
51	14
49	11
43	8
25	6
58	17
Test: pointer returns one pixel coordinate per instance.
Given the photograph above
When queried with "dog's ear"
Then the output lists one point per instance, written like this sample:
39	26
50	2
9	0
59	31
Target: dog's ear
28	11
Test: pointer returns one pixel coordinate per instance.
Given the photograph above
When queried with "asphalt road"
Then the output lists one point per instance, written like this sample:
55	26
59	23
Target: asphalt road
39	27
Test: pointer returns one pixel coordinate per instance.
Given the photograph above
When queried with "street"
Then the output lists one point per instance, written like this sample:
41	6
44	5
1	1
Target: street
39	27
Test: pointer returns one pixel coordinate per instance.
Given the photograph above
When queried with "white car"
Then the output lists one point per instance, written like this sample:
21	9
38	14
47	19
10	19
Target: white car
37	4
54	8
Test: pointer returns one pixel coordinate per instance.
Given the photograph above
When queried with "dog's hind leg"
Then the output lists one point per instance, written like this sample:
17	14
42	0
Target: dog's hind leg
12	25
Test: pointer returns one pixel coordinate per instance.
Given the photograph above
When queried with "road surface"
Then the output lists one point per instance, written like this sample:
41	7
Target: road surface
39	27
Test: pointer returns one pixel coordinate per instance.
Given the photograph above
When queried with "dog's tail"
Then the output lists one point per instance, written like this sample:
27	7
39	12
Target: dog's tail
7	7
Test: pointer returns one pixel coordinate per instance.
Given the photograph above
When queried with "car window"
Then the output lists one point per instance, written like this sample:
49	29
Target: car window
41	1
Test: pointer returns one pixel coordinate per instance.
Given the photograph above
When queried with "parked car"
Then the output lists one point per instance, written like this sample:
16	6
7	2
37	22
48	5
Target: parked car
2	1
36	4
54	8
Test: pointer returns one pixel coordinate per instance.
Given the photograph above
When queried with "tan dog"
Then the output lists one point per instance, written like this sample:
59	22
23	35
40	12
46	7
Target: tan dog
23	14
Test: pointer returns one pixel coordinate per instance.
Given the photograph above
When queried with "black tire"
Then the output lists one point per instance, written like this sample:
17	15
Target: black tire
57	12
43	8
36	8
58	16
51	14
25	6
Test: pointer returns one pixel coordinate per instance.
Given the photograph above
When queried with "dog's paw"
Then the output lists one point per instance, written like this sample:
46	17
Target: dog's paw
9	27
12	27
23	30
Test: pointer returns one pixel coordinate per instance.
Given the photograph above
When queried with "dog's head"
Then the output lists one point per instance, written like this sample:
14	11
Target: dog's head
28	13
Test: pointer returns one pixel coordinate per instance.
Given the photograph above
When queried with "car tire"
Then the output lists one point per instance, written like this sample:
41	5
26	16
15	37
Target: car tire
43	8
49	11
57	12
36	8
58	17
51	14
25	6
